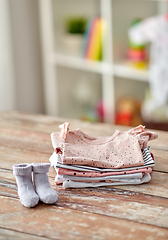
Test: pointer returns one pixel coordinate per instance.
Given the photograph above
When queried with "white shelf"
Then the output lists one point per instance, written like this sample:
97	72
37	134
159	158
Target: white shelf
80	63
124	71
118	70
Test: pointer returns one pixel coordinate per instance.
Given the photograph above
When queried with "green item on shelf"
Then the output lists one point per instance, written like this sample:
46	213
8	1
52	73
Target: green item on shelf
135	21
136	46
75	25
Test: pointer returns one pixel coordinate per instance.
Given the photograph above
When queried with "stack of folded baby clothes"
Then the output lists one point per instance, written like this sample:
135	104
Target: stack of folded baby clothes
84	161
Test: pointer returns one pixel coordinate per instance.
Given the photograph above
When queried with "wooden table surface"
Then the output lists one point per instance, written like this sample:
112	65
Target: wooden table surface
121	212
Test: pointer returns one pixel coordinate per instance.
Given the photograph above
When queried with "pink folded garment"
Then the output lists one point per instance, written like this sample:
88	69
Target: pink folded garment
64	171
122	149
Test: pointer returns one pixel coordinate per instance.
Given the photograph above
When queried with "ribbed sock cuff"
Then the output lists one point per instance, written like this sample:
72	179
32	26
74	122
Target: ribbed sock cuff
41	167
22	169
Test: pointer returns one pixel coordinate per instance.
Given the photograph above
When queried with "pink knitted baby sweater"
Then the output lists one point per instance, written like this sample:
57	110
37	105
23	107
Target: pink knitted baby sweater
122	149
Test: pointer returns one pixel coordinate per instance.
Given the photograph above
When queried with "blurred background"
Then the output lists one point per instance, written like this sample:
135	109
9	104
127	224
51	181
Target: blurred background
84	59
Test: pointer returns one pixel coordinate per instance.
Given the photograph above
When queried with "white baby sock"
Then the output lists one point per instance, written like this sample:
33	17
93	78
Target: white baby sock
41	183
26	192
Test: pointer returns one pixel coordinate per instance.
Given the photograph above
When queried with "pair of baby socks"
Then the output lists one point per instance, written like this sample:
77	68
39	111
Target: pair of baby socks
30	192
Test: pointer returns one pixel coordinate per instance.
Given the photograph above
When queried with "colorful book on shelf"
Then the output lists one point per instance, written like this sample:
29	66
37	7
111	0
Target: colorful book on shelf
94	49
93	39
87	36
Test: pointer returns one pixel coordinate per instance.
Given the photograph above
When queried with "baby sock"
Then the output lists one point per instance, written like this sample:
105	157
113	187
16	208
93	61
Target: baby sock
41	183
26	192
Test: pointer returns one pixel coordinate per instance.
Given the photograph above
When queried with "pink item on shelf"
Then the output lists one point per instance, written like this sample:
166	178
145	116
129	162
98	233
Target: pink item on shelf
136	54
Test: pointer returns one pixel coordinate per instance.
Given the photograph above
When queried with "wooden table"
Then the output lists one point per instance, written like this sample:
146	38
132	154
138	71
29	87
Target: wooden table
122	212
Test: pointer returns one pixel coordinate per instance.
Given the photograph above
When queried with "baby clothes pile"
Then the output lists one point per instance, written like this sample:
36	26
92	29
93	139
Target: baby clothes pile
83	161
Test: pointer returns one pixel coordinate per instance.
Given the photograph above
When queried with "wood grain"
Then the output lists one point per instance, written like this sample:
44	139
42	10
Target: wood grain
62	223
6	234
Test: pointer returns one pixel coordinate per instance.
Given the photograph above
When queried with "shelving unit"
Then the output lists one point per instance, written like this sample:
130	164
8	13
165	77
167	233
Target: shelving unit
108	69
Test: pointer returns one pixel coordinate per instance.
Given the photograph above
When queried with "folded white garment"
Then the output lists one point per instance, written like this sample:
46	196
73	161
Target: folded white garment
73	184
113	177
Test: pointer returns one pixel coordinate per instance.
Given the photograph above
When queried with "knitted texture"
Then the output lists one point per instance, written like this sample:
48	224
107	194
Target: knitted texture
26	192
41	183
